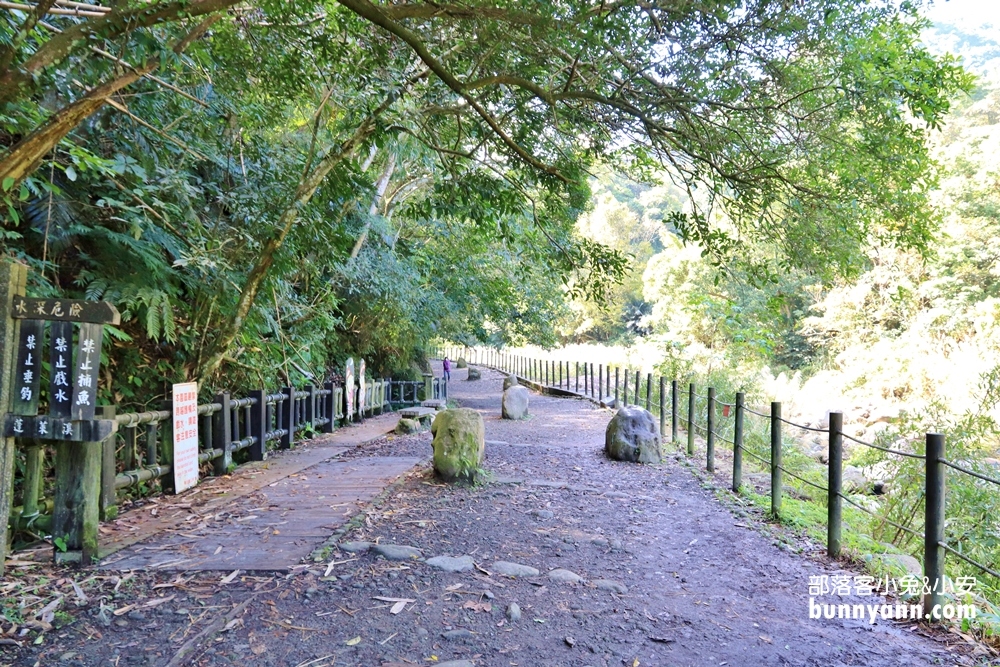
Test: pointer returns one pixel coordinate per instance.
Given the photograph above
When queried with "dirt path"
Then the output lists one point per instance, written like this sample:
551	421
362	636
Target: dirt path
671	576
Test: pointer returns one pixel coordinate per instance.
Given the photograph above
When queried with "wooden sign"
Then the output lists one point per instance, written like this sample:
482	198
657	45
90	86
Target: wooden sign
88	361
46	428
66	310
185	415
60	369
28	371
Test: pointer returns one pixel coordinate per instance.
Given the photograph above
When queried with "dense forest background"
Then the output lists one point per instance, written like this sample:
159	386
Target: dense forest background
908	331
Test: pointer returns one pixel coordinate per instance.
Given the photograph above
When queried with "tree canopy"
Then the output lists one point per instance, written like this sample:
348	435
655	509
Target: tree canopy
268	185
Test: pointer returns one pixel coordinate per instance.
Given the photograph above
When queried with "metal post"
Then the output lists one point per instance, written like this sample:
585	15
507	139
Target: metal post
663	412
710	437
625	389
221	435
674	410
329	406
600	382
690	428
637	386
934	522
649	390
257	427
775	458
592	378
617	404
288	417
577	377
738	443
834	502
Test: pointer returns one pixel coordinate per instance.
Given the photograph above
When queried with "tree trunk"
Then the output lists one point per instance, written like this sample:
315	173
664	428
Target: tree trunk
383	183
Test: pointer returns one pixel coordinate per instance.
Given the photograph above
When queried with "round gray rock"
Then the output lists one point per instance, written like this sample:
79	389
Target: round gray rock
459	444
514	612
610	585
474	374
514	404
451	563
565	576
397	552
633	435
514	569
510	381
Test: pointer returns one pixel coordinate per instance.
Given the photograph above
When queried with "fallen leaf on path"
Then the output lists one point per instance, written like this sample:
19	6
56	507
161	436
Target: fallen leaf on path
766	638
158	601
124	610
228	579
353	642
236	622
478	606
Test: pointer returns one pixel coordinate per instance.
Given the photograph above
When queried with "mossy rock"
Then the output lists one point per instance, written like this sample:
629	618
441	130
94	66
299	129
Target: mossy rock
461	363
408	426
459	444
474	374
633	435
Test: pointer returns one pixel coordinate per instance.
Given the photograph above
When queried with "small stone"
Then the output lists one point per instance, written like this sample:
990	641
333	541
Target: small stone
356	547
459	635
570	642
543	514
312	590
513	612
121	623
565	576
397	551
451	564
67	656
422	632
514	569
609	585
137	616
181	612
488	594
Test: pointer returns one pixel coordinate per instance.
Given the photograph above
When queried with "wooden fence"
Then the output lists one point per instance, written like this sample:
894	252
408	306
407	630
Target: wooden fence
653	394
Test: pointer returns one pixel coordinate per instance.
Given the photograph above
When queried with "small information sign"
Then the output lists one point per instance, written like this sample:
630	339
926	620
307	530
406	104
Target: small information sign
185	415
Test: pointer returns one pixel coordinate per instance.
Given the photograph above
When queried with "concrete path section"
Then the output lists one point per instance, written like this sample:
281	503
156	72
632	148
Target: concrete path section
266	515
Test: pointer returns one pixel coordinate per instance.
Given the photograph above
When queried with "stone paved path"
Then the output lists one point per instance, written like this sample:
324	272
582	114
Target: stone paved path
265	516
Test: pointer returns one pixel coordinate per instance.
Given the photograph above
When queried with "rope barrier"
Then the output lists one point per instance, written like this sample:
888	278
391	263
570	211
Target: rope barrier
804	428
802	479
969	560
754	456
985	478
884	449
881	518
754	412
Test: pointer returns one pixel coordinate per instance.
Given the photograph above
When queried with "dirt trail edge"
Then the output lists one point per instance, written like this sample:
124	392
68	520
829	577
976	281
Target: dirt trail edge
620	564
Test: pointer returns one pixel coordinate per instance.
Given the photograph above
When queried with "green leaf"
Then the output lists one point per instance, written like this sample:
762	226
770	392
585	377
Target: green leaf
8	183
70	172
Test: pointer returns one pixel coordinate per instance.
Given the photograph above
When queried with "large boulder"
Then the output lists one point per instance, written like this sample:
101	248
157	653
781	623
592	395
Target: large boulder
510	381
459	444
633	435
515	403
474	374
461	363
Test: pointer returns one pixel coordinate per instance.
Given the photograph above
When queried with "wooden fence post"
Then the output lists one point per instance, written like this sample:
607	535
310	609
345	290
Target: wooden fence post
710	436
13	277
834	501
663	411
738	443
691	419
674	411
776	476
167	447
934	516
34	471
109	495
